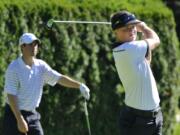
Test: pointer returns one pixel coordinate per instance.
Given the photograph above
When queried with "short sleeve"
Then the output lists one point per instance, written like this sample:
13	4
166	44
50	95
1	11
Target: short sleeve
11	81
141	48
51	76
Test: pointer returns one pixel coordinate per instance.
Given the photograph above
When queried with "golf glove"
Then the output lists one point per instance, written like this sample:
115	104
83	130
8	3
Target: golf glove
84	91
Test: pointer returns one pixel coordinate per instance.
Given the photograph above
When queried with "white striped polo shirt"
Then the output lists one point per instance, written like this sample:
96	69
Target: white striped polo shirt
27	82
136	75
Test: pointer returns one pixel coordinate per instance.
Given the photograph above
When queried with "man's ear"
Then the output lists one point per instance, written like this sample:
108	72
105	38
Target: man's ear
115	32
22	46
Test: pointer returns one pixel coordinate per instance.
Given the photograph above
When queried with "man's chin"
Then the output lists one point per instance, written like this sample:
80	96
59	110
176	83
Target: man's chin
133	38
33	54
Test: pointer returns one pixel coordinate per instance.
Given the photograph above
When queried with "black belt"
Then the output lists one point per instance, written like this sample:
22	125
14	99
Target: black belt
22	111
28	115
144	113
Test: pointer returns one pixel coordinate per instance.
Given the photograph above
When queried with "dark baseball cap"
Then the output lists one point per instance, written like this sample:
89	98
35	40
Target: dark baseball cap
122	18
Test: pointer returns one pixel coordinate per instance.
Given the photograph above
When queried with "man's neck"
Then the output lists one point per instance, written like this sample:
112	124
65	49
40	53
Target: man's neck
28	60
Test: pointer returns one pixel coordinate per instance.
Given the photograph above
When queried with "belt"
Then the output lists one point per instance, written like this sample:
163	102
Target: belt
144	113
28	112
8	108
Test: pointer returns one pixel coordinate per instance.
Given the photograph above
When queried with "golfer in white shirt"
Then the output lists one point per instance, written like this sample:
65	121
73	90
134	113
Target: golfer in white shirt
141	114
24	81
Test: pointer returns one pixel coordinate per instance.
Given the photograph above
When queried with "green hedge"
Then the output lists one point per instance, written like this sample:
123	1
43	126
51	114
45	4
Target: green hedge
84	53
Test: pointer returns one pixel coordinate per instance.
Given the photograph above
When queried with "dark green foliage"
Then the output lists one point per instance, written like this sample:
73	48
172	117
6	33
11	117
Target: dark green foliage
84	53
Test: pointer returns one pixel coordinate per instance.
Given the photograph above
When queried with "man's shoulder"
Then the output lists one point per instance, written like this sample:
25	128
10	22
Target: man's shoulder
131	47
128	45
41	63
13	64
139	42
135	44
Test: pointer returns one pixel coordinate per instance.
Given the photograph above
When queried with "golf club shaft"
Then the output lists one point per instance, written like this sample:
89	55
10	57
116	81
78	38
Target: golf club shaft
82	22
87	117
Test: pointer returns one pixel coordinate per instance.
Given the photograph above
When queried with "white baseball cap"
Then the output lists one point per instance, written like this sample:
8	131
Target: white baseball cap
28	38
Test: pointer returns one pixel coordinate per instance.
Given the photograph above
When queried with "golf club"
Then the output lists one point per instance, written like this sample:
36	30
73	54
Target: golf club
52	21
87	117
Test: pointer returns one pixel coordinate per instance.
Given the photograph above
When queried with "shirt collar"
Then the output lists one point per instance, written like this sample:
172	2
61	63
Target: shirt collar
116	44
22	64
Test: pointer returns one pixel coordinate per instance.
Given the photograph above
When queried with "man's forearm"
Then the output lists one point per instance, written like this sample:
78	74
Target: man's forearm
14	106
21	123
71	83
68	82
149	35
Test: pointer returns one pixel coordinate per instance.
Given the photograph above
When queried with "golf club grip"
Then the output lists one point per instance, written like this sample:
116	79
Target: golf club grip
85	108
88	125
87	117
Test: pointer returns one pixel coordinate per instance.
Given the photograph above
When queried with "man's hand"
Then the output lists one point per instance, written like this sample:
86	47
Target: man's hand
140	26
149	35
85	91
22	125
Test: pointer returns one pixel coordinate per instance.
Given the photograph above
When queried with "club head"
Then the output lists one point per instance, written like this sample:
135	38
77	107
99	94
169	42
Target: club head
50	23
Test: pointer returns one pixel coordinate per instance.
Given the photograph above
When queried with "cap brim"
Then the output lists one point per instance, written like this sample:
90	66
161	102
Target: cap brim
133	22
39	41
